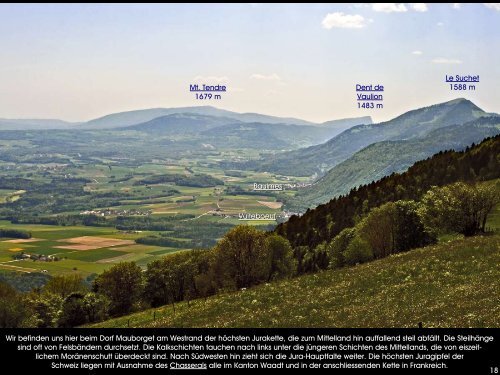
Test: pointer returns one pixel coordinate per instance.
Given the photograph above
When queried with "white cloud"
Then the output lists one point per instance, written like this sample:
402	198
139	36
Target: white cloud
419	7
442	60
399	7
211	79
344	21
264	77
389	7
456	5
417	53
440	24
495	6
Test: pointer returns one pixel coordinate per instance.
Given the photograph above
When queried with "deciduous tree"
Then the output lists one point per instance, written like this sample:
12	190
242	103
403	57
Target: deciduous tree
123	285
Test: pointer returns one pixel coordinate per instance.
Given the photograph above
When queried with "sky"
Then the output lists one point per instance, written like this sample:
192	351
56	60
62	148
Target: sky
79	62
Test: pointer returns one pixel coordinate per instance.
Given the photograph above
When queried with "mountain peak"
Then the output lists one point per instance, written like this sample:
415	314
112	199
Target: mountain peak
463	102
413	124
458	100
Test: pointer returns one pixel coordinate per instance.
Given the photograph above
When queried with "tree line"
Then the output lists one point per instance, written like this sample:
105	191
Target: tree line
14	233
246	256
193	180
358	231
476	163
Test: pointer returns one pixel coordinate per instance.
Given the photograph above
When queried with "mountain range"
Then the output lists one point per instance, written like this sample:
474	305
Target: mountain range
339	154
384	158
33	124
479	162
225	132
123	119
180	123
195	120
417	123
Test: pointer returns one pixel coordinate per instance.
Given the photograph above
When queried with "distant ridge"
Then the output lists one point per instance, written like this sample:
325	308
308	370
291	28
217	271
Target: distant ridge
348	122
227	132
32	124
341	125
123	119
412	124
384	158
181	123
476	163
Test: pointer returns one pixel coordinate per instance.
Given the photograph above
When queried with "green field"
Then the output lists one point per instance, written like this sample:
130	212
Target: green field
84	262
452	284
104	179
206	205
110	187
9	195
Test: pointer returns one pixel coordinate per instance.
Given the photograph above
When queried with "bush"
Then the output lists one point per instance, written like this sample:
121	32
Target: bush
358	251
12	310
283	264
394	227
64	285
337	247
459	207
73	311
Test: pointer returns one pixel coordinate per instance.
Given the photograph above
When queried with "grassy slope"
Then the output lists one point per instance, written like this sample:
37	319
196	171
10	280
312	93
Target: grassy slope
452	284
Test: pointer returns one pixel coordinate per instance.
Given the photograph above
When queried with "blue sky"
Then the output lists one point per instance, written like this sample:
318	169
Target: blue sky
78	62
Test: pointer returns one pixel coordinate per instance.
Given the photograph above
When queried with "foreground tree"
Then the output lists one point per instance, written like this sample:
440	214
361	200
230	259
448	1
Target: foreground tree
459	207
171	278
378	229
337	247
46	308
410	230
79	308
358	251
246	256
64	285
96	307
394	227
283	264
13	311
242	258
123	285
73	311
315	259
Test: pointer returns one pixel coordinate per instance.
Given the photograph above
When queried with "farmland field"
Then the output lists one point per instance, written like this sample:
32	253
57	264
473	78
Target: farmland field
85	262
88	211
